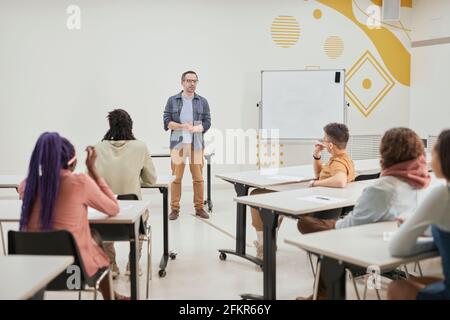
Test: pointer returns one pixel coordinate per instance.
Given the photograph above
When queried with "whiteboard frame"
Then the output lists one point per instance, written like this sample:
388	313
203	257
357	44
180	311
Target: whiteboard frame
261	104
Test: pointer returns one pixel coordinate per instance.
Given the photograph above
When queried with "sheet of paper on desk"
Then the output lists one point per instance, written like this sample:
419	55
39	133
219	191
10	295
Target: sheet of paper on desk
321	199
95	214
387	236
125	206
285	178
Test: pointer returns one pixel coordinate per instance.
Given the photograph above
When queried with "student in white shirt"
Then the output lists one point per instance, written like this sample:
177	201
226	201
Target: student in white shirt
434	211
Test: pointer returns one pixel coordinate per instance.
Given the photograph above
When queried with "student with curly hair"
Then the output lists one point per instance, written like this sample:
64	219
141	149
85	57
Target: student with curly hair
125	164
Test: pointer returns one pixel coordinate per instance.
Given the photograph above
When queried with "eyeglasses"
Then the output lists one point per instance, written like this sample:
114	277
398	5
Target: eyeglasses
191	81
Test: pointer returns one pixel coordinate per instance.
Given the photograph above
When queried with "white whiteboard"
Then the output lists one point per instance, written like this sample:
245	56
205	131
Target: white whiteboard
301	102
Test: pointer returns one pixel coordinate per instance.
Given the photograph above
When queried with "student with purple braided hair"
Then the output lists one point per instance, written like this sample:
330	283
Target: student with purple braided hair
55	198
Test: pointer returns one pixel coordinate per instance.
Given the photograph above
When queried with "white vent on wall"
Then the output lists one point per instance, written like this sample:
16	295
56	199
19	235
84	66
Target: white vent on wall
391	10
431	142
361	148
364	147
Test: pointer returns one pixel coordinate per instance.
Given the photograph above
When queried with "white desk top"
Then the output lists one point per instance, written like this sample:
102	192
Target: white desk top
130	211
13	181
266	178
294	202
23	276
363	246
166	154
10	181
271	179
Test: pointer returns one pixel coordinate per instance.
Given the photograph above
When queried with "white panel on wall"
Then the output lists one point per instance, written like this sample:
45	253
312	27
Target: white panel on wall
299	103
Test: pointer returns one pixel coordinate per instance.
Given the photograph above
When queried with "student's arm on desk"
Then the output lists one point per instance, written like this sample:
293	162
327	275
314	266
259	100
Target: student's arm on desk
339	180
405	241
372	206
99	196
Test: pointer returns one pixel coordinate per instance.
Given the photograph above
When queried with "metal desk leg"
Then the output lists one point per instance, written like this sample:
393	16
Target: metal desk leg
241	217
134	269
208	201
166	253
270	221
333	276
3	239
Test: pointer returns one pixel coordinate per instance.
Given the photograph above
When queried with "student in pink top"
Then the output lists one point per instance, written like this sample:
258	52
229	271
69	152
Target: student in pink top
54	198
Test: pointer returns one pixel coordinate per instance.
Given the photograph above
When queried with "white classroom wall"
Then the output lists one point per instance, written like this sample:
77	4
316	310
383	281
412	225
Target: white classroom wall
131	53
430	90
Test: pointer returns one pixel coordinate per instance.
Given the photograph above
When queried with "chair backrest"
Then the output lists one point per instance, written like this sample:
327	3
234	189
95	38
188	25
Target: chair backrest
363	177
130	196
49	243
442	242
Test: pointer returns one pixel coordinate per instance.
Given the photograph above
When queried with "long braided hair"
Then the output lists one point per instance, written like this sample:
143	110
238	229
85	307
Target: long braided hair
51	154
120	126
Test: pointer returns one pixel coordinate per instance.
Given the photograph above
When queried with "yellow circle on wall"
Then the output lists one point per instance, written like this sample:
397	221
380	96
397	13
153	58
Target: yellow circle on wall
334	47
367	84
317	14
285	31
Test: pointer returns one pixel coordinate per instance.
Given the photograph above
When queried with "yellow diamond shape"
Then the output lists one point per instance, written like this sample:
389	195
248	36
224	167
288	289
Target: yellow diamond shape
351	90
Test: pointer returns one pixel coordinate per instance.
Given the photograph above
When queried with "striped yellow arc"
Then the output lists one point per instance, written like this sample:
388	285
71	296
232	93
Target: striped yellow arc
285	31
334	47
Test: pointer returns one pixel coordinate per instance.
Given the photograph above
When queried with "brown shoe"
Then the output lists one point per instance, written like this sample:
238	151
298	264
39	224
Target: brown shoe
174	215
201	213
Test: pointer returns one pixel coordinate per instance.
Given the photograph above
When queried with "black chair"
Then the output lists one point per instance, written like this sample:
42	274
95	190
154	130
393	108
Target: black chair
146	230
57	243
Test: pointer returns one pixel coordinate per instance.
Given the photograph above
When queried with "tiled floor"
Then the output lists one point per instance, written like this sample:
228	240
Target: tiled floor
197	272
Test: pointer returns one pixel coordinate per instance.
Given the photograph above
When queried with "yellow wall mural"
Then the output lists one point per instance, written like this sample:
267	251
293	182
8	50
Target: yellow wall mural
367	83
394	54
372	70
285	31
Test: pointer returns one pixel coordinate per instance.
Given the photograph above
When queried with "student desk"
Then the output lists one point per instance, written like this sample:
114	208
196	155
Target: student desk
208	156
126	226
242	182
26	277
338	248
293	203
163	184
286	178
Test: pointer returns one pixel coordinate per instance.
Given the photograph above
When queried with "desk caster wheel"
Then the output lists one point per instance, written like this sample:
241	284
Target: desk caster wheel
222	256
162	273
173	256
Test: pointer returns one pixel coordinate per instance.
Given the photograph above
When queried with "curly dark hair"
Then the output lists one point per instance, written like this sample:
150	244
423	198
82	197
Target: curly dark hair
442	147
338	134
120	126
400	145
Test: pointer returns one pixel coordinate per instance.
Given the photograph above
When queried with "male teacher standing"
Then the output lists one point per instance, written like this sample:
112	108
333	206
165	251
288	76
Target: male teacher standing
188	117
